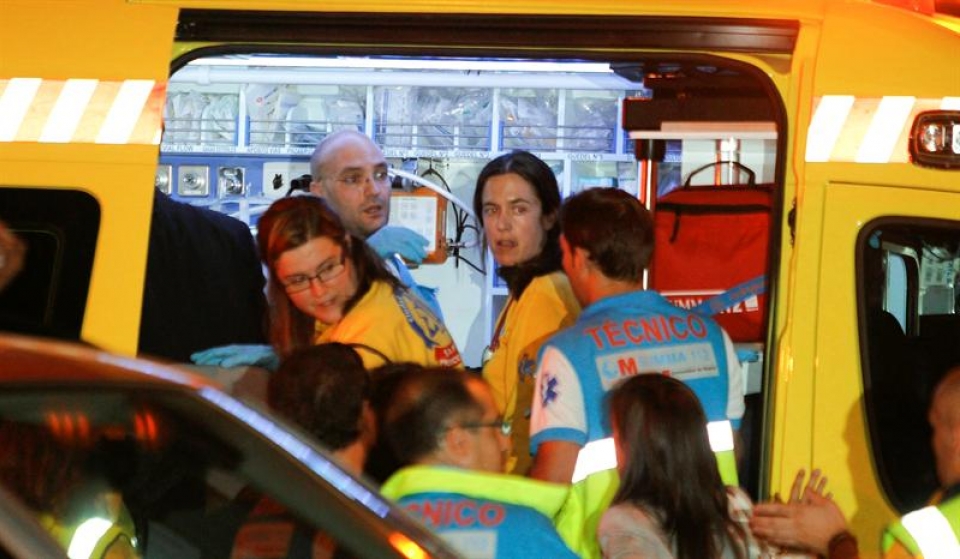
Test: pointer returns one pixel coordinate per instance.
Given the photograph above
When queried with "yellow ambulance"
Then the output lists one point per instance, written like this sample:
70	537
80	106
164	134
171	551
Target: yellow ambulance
847	110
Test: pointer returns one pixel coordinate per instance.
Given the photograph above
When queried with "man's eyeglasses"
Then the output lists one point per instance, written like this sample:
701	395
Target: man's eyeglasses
356	179
505	425
324	274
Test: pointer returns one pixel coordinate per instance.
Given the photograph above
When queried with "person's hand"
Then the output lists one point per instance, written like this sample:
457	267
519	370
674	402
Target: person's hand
808	522
391	239
12	251
238	355
816	485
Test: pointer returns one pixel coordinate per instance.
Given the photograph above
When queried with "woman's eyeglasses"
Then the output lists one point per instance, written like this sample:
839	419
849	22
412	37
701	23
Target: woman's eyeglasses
324	274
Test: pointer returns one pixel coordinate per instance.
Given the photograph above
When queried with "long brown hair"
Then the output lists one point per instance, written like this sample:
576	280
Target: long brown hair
290	223
669	469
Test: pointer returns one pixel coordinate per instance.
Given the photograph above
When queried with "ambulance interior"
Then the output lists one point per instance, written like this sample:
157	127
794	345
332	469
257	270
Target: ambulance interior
239	128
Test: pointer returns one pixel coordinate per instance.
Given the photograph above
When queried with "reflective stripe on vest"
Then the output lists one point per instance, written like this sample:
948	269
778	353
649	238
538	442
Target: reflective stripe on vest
81	111
600	455
933	534
721	435
594	457
851	129
93	537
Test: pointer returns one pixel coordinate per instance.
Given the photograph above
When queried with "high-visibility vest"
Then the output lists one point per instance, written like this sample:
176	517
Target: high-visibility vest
932	532
92	537
547	499
595	482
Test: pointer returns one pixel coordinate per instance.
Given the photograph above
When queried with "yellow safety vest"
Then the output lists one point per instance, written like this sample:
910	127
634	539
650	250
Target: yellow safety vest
932	532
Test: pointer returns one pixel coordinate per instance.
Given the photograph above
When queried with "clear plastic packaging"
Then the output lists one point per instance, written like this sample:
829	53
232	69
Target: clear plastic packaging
267	108
192	117
591	119
317	115
453	117
529	119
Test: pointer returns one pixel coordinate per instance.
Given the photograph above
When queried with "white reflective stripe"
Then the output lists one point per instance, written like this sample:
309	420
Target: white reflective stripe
721	435
86	536
66	113
594	457
885	127
601	455
14	104
950	104
125	112
933	533
826	125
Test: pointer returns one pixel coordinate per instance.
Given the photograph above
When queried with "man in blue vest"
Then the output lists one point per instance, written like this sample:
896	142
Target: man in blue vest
624	330
445	425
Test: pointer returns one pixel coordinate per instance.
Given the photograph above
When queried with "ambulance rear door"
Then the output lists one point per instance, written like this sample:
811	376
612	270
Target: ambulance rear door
81	97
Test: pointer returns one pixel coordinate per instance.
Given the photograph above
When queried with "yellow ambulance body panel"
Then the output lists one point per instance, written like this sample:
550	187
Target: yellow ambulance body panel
838	170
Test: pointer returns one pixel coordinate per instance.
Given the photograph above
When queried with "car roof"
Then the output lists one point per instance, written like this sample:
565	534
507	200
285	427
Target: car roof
27	360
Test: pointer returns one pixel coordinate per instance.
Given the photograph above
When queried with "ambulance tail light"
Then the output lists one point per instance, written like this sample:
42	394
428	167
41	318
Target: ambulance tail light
935	139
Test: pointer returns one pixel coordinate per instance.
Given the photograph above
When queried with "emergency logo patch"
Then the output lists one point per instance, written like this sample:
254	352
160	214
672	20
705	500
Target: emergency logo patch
526	367
548	390
421	319
428	328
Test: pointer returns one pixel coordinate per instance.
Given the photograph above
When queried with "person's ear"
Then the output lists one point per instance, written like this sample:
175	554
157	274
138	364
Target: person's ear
456	446
580	259
547	221
316	187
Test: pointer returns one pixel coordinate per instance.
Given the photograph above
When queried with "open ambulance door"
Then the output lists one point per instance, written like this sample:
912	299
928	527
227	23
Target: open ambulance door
81	98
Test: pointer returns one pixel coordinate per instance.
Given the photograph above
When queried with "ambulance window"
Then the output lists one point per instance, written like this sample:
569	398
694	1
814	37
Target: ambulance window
908	272
895	301
59	227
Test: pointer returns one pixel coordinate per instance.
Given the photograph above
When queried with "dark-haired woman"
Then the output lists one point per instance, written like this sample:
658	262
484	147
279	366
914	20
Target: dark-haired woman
671	503
326	285
518	199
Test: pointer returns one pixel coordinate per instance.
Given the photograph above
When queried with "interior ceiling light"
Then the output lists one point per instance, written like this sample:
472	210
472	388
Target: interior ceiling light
457	65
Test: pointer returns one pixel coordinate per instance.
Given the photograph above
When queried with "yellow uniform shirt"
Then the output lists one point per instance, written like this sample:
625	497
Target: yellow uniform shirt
396	324
546	306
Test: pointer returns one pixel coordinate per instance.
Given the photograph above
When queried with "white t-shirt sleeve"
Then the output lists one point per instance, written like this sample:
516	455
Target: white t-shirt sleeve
735	403
557	411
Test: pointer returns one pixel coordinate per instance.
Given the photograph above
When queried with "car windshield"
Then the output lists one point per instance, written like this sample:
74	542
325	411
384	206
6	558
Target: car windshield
178	473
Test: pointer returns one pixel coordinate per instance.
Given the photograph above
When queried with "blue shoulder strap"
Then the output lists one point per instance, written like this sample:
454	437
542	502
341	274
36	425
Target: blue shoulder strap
732	296
426	294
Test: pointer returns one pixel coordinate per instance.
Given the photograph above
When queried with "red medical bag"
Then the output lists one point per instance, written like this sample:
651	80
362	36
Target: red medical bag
711	246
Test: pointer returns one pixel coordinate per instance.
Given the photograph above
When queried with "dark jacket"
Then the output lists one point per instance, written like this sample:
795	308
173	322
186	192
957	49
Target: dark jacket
204	284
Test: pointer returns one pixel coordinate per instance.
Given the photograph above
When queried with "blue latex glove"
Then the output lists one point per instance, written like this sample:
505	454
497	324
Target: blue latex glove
238	355
748	355
392	239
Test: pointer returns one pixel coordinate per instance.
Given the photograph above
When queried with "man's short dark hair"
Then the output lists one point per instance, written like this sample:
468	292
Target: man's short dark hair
425	402
613	227
322	388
